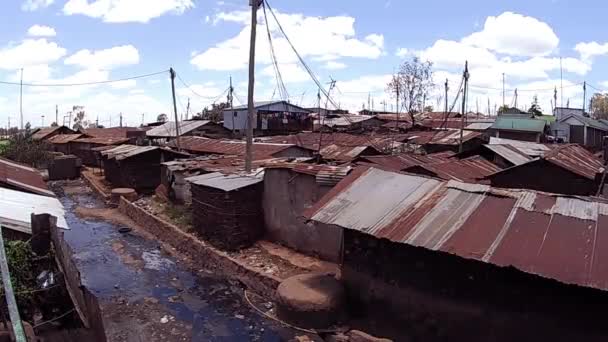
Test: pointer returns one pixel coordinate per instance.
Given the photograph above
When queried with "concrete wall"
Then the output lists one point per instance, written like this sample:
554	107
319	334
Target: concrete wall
286	195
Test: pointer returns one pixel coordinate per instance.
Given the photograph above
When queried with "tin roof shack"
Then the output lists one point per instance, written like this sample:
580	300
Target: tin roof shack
48	132
64	167
517	127
472	170
347	123
445	140
20	177
227	209
581	129
568	169
205	146
135	135
85	148
289	189
136	167
206	128
61	142
470	262
272	117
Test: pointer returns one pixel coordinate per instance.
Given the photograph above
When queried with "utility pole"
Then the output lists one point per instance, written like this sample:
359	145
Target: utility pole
446	96
515	97
423	103
255	4
477	106
42	121
489	113
332	84
143	116
57	114
503	89
561	80
464	102
584	95
172	74
369	106
120	123
230	101
97	122
21	99
397	104
188	109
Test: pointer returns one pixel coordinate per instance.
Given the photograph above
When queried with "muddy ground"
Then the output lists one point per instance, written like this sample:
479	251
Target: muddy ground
148	295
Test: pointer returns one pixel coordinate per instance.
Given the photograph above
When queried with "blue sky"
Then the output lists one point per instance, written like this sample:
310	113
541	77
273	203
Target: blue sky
357	43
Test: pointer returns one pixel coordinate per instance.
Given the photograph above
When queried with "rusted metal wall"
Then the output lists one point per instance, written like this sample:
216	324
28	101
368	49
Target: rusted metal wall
544	176
64	167
577	134
141	172
286	195
228	220
444	297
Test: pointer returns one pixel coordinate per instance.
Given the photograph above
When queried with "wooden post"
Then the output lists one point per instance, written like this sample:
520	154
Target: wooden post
172	73
464	103
255	4
11	302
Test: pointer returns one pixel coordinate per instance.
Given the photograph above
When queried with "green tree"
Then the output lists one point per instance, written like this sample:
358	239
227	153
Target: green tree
598	105
413	82
79	118
535	107
162	118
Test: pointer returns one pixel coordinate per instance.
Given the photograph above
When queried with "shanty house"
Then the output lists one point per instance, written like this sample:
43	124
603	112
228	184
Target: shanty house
518	128
470	262
271	117
581	129
85	148
61	142
347	122
568	169
205	128
20	177
136	167
227	209
48	132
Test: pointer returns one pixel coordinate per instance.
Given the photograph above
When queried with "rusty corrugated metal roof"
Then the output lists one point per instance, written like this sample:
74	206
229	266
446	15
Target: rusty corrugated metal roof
229	182
346	153
549	235
63	138
23	177
577	159
441	137
167	130
472	169
399	162
102	141
127	151
230	147
113	132
510	153
311	140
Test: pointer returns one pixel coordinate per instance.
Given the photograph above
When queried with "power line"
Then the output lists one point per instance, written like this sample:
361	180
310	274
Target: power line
83	83
194	92
279	78
520	90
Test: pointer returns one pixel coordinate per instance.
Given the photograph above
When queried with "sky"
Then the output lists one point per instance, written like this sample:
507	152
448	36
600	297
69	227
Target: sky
360	44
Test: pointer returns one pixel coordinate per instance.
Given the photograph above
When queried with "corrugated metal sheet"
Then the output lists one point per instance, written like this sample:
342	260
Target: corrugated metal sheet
108	141
311	140
549	235
402	161
229	182
441	137
126	151
471	169
43	132
345	153
344	120
114	132
167	130
16	208
514	123
479	126
23	177
528	148
63	138
577	159
230	147
510	153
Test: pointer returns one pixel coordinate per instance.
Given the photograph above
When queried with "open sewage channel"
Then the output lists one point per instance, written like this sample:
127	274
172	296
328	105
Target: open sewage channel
147	295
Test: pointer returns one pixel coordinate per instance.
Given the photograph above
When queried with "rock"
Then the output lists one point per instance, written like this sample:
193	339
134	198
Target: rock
164	319
360	336
310	300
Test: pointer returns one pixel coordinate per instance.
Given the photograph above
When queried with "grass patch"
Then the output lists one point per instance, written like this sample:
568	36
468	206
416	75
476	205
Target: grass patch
180	215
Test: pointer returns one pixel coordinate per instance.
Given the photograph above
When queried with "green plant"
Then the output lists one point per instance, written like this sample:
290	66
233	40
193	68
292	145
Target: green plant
24	149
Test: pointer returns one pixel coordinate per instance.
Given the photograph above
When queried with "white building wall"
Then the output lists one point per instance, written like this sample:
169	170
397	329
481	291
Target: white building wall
239	120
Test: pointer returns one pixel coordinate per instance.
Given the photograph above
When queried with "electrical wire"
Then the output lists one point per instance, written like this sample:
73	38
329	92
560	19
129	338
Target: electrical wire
54	319
519	90
279	78
84	83
194	92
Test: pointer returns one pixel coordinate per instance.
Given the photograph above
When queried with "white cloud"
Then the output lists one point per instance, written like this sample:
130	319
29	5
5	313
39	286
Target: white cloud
317	38
34	5
290	73
30	52
591	49
448	54
105	59
123	11
333	65
41	31
515	34
402	52
124	84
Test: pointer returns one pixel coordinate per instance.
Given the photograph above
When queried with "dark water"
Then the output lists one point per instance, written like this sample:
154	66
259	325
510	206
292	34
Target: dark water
213	307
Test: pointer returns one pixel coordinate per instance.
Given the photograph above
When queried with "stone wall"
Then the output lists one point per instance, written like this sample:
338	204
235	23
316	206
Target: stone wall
286	195
202	254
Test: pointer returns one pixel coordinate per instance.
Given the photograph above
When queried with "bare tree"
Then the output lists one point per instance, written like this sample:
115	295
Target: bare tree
413	82
162	118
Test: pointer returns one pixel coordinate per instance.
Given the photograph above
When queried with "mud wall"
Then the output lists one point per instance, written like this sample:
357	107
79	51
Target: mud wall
286	195
202	254
445	297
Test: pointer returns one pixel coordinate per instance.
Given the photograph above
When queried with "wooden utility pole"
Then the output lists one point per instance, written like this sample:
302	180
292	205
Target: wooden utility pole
584	95
446	96
188	109
21	99
97	122
57	114
465	75
255	4
503	89
42	120
231	103
397	104
172	74
120	123
515	97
